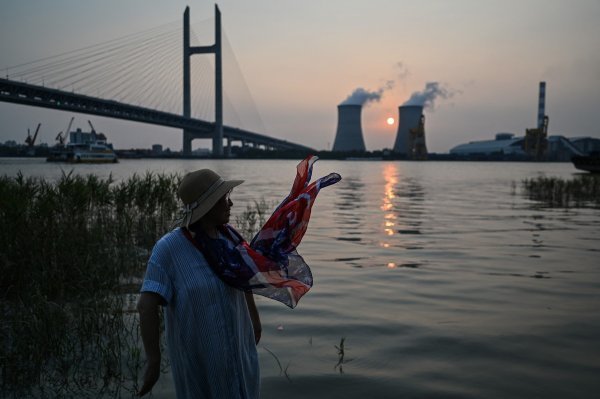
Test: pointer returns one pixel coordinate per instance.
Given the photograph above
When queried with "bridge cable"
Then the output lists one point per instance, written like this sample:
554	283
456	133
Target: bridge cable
125	50
107	43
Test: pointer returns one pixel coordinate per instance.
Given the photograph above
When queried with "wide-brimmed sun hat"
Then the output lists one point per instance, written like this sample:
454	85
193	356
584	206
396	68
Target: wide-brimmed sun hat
199	191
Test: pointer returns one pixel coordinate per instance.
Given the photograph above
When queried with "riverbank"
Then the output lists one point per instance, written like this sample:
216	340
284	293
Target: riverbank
384	155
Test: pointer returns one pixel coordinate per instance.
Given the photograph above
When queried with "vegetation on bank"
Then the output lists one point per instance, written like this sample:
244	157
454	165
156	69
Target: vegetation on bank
68	251
581	191
72	254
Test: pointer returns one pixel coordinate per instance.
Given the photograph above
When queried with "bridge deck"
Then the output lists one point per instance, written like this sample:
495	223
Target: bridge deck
38	96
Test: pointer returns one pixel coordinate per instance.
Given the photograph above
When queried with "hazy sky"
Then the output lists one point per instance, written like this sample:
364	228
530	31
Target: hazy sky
300	59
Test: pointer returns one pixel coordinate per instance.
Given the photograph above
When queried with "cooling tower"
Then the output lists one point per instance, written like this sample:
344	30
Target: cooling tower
409	118
541	105
349	135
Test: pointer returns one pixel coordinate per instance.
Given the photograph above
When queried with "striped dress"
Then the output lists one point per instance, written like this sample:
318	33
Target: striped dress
208	328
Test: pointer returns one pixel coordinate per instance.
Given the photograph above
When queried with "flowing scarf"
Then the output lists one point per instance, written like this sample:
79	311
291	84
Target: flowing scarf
270	265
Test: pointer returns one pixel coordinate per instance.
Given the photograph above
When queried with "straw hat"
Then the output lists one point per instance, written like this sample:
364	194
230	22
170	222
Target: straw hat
199	191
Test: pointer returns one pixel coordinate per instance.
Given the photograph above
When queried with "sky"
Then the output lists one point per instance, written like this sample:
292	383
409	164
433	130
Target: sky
300	59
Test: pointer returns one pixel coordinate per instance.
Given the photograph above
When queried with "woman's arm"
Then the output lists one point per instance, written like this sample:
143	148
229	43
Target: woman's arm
254	316
147	307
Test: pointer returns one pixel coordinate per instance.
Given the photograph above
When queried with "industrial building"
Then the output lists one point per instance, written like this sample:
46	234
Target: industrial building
535	145
586	145
506	145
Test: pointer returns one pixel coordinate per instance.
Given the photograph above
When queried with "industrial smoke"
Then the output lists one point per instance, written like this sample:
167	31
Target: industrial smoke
362	96
427	97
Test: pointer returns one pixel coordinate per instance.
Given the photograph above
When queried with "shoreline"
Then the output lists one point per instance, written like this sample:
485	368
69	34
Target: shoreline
322	155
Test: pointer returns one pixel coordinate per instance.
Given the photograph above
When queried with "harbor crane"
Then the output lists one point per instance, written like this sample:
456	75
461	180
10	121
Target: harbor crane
93	130
63	138
30	141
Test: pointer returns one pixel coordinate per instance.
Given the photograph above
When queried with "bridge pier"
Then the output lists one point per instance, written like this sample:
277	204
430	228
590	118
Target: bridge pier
188	51
187	142
228	148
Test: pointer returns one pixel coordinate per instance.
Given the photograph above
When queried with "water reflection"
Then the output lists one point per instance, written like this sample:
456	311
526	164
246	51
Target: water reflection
350	199
390	173
350	195
403	208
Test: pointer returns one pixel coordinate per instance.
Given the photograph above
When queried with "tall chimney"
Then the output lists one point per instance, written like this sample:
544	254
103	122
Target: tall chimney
349	135
409	118
541	105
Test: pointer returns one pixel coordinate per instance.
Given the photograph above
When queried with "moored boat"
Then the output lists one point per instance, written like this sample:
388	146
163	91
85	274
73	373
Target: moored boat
84	153
84	148
589	163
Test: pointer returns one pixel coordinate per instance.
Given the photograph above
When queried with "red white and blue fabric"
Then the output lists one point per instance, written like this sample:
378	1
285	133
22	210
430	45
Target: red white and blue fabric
270	265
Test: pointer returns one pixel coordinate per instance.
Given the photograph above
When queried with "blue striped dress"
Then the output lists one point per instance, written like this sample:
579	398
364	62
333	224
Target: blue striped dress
209	333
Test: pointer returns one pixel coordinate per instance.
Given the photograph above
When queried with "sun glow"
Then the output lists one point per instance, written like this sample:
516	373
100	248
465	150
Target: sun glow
390	121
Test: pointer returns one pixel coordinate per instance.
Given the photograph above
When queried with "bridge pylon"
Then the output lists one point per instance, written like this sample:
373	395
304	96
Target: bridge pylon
188	51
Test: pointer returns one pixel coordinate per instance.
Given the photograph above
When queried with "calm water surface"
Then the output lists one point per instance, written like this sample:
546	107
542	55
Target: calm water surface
441	278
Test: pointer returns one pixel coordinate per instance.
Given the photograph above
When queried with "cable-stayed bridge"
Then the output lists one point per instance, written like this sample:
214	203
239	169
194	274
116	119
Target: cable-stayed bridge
139	78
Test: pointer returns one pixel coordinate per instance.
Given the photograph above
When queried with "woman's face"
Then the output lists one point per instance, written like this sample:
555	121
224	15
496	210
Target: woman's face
220	212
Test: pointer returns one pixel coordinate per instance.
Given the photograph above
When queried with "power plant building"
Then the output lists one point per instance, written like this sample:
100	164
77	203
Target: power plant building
504	143
349	136
560	148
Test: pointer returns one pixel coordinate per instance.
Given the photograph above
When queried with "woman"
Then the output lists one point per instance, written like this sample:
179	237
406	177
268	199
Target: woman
204	274
212	328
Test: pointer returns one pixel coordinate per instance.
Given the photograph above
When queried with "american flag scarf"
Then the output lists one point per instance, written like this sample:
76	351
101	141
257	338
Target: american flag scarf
269	265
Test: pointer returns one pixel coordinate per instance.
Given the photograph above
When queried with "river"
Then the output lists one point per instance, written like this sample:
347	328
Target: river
441	279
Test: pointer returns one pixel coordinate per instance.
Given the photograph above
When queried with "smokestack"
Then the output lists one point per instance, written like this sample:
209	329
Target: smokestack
409	118
349	135
541	105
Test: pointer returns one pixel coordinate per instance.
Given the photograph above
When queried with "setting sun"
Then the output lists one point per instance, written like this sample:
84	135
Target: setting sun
390	121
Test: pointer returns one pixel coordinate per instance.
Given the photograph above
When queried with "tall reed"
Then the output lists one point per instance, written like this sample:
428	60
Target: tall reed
581	191
66	248
253	218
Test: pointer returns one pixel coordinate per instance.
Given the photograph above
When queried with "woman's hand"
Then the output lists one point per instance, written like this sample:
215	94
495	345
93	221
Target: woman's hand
254	317
257	332
147	306
150	377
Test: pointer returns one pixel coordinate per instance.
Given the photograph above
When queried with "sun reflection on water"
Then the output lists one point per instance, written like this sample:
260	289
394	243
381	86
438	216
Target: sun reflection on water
390	173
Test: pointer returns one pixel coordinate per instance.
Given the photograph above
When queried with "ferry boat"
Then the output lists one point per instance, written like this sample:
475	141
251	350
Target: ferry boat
84	147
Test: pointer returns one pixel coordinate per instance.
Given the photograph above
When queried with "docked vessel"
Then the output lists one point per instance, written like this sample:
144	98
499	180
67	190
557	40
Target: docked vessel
589	163
83	147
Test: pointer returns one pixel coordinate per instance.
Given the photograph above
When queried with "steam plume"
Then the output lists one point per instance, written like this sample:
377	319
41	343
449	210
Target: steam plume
427	97
362	96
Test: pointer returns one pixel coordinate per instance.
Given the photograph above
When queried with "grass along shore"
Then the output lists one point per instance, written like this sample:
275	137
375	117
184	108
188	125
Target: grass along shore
72	254
68	249
580	191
